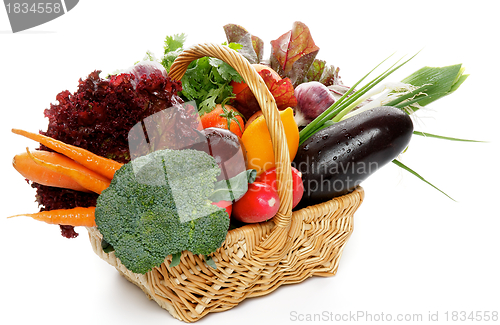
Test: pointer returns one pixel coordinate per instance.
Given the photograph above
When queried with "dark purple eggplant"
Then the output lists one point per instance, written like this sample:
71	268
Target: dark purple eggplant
338	158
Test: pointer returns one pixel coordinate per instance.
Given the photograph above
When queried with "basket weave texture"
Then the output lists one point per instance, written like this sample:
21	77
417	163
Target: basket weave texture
255	259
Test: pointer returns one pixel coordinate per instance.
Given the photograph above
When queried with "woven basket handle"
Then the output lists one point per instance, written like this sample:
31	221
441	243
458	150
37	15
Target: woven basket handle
269	110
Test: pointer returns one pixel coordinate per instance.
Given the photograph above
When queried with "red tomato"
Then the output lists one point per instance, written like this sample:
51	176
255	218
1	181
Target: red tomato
224	117
260	203
239	86
269	177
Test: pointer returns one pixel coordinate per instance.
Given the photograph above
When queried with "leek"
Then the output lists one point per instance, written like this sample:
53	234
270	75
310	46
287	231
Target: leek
408	169
348	101
430	135
439	82
417	90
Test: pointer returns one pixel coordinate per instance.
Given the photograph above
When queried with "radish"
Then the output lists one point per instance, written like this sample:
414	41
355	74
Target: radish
269	177
260	203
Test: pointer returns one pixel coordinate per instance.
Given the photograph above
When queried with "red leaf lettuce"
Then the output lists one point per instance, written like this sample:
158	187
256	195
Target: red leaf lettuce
293	53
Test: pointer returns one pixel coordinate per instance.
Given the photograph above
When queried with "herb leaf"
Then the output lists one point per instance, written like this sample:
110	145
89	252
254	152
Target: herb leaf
210	262
176	259
207	82
174	43
173	46
233	188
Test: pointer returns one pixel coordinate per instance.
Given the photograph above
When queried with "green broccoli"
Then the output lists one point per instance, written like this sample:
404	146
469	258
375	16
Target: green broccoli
158	205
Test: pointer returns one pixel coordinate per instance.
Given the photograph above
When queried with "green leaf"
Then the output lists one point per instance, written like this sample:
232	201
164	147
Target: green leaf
106	247
149	56
429	135
347	102
176	259
439	81
174	43
459	82
210	100
315	70
225	71
210	262
233	188
356	99
400	101
408	169
234	46
207	82
330	76
168	59
172	47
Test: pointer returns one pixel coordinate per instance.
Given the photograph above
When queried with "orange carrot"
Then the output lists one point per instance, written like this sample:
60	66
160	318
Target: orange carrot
72	217
28	168
83	176
98	164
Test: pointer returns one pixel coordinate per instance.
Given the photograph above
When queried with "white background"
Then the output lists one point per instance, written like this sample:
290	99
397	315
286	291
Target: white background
413	250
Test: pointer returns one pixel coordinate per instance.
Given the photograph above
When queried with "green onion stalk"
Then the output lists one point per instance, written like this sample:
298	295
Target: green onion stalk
419	89
410	94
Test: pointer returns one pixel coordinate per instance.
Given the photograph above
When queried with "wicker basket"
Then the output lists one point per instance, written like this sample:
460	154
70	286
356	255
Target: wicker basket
255	259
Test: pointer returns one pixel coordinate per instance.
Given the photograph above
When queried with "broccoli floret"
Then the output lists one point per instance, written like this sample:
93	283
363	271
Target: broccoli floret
158	205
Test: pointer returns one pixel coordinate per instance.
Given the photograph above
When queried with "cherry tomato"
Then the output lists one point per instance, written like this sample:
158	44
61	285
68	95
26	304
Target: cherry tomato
225	117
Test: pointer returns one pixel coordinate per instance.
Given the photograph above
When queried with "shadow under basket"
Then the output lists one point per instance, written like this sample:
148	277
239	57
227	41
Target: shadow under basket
193	289
255	259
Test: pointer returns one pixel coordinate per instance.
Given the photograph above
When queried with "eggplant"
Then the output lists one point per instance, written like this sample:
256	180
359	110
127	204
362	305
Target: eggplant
336	159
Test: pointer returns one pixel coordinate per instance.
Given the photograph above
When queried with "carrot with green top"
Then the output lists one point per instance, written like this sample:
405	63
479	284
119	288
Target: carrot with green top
85	177
29	169
72	217
104	166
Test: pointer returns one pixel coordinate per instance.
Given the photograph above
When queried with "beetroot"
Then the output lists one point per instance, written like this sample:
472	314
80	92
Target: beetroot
227	149
98	117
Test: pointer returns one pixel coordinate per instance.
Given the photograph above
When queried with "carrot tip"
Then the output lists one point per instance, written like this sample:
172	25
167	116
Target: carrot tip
36	160
18	215
29	153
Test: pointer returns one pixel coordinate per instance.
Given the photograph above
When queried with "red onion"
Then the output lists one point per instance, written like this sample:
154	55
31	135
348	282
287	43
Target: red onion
313	98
